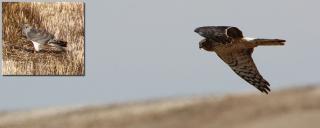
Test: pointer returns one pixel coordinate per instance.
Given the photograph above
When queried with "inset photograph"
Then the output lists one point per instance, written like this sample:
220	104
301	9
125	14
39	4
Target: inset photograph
43	38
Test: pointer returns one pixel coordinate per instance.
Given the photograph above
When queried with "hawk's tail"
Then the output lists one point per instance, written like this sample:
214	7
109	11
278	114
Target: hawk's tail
266	42
58	42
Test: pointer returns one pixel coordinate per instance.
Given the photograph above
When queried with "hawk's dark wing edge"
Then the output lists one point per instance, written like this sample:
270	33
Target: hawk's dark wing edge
243	65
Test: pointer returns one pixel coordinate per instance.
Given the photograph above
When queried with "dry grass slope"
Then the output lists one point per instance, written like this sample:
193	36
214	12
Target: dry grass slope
64	20
295	108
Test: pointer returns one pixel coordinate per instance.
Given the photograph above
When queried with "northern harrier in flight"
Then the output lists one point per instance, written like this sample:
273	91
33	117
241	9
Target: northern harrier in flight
40	38
235	50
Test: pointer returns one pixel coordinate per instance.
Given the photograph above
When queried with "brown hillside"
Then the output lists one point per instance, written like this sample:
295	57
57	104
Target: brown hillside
294	108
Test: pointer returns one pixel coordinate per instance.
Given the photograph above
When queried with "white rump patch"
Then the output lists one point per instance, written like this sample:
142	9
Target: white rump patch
37	46
249	38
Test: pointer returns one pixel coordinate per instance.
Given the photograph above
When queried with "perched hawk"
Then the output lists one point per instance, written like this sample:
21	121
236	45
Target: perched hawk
235	50
40	38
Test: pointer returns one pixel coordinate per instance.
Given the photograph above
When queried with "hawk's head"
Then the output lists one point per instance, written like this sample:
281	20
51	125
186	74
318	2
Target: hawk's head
25	28
206	44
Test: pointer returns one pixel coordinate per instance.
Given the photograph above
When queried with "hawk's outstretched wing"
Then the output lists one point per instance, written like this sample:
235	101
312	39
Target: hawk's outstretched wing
242	64
221	34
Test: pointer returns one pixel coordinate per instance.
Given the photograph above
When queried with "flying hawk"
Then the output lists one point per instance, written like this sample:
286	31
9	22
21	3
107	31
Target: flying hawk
40	38
235	50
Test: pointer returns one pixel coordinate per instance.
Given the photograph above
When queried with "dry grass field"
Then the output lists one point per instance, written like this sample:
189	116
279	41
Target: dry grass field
293	108
64	20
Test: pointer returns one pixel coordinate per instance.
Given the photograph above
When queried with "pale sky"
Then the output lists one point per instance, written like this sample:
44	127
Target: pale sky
143	49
